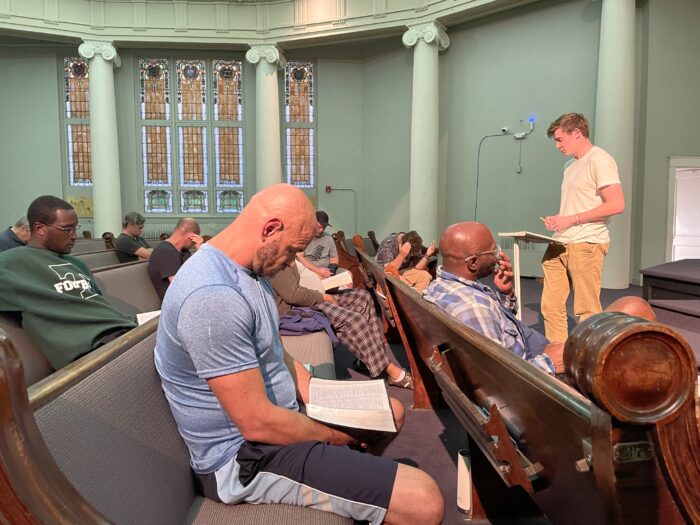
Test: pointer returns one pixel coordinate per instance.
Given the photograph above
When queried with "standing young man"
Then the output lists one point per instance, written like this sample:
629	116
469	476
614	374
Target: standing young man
590	194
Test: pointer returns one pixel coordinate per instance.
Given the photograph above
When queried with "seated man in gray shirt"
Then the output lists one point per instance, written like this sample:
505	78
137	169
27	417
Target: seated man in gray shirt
130	246
234	399
321	255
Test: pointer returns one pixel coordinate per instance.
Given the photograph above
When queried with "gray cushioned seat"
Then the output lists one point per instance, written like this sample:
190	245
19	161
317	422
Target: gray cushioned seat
114	438
128	287
314	349
99	259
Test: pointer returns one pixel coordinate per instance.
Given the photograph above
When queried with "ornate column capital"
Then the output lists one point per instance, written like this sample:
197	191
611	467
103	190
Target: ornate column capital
429	32
89	48
269	52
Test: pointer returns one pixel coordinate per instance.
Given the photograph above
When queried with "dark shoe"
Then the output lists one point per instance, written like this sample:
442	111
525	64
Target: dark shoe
406	382
360	366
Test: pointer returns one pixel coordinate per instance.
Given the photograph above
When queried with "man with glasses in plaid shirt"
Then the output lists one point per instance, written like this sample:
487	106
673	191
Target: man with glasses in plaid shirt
62	310
470	253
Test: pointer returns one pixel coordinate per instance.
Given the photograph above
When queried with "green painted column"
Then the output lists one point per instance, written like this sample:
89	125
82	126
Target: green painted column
268	150
104	149
427	39
614	124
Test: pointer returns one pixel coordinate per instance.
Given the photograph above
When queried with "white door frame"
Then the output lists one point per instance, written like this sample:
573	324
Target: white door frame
675	163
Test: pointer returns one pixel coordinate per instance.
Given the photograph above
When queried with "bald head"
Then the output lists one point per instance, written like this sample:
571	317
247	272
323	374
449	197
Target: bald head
632	305
276	223
461	240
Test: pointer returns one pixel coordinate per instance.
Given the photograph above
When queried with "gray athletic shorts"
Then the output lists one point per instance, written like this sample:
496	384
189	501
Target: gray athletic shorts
312	474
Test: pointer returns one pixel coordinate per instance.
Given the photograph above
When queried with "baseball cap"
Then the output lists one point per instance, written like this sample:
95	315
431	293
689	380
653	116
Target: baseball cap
322	218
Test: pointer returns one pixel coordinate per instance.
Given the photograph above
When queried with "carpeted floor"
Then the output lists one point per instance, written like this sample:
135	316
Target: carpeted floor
431	438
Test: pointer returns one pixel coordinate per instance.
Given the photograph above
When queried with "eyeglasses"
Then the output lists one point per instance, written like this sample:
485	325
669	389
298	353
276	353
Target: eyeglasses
496	252
64	229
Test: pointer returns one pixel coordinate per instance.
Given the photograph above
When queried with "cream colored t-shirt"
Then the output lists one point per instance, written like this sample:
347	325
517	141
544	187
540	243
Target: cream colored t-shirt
580	191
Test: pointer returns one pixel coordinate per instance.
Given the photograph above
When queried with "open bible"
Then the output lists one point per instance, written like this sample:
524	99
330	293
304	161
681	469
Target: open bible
339	279
359	408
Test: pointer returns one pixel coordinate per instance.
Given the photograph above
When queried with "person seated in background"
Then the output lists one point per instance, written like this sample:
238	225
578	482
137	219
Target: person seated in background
404	252
63	311
352	317
130	246
236	401
321	255
15	236
169	255
470	253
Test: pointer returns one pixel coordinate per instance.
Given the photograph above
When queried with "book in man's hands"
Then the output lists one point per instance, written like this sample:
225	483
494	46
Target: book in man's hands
339	279
359	408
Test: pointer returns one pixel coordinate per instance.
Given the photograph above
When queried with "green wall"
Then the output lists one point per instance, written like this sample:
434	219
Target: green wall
30	145
669	115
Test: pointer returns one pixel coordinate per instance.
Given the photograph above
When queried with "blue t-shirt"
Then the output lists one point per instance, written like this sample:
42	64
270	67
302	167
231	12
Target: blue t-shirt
217	318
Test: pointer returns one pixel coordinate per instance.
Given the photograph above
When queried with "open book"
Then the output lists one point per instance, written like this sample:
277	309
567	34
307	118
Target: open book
351	405
339	279
146	316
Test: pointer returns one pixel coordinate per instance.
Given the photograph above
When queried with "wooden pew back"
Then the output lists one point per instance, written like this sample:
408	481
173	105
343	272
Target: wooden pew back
580	462
99	259
87	246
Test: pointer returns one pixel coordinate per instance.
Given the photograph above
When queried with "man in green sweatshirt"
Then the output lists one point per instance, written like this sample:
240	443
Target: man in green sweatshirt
63	311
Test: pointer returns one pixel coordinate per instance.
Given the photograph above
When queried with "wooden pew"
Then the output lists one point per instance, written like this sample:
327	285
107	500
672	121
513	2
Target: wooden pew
626	452
96	443
373	238
426	393
348	259
88	245
99	259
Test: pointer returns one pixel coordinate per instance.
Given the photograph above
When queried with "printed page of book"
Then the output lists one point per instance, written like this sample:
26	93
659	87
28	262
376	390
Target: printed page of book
355	404
146	316
339	279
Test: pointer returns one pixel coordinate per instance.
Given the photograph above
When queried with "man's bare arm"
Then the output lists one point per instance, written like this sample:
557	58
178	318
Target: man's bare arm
243	396
613	203
143	253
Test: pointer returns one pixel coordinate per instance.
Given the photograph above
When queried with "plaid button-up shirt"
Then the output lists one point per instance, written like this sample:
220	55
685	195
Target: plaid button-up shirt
487	311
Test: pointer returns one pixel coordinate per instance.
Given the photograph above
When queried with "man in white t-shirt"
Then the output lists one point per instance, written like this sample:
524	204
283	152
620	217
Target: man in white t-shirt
590	194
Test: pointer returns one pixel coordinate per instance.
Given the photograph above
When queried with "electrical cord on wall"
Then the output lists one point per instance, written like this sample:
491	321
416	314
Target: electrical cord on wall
478	159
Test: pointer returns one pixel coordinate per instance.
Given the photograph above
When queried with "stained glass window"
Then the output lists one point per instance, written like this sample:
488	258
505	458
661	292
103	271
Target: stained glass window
300	157
154	89
191	90
299	123
228	94
229	201
76	88
228	151
194	201
159	201
155	142
79	164
77	123
299	92
192	144
209	99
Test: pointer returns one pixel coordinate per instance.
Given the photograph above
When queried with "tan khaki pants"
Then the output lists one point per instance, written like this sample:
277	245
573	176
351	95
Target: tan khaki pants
418	279
577	265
